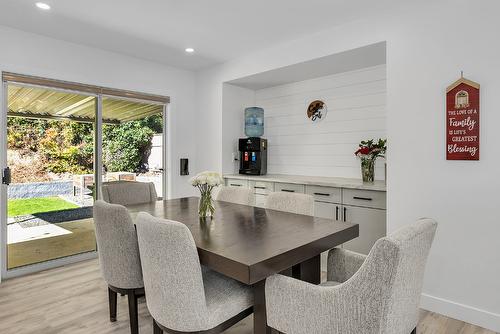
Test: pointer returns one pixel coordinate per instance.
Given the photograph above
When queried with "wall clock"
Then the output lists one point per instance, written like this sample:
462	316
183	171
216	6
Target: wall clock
316	111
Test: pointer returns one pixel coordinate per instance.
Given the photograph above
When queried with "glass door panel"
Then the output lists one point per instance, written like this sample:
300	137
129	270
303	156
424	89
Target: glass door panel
50	151
132	142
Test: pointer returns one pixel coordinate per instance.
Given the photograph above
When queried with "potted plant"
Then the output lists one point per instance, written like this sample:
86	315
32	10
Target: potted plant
368	152
206	182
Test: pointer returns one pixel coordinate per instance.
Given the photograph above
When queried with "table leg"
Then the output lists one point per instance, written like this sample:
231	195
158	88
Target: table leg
309	270
259	309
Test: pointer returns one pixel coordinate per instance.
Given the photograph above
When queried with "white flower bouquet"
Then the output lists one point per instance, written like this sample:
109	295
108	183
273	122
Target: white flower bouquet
206	182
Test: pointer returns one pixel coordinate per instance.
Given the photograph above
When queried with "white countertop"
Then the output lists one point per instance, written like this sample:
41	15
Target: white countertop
338	182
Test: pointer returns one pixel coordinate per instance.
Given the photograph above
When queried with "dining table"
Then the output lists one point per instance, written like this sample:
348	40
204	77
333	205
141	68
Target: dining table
250	243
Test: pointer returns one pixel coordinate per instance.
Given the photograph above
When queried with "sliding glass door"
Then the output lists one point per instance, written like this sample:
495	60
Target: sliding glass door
132	149
60	146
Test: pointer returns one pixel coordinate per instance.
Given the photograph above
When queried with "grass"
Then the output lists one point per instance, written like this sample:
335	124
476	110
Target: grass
27	206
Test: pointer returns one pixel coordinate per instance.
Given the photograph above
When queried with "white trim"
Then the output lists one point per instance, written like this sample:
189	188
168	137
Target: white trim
165	156
3	188
469	314
98	148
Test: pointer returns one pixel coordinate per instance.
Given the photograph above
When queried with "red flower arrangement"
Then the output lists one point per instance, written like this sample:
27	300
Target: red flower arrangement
372	149
368	152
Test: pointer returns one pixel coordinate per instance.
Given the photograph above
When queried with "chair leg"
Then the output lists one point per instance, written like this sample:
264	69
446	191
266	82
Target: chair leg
132	312
112	305
414	331
156	328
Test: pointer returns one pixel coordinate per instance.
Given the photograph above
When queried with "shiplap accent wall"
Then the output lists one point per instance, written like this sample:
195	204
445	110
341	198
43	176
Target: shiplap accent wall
356	104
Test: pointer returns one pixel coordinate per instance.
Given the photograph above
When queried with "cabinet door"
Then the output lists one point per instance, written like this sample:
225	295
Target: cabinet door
372	226
326	210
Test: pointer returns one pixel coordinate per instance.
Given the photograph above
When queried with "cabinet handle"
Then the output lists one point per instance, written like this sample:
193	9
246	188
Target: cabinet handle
363	198
235	185
336	213
321	194
345	213
257	187
288	190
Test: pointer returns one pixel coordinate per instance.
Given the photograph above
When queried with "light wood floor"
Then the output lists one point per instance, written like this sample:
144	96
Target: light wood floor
73	299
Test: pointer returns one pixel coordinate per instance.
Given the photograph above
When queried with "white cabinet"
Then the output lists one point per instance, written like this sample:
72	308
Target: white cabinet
372	226
325	194
260	200
237	183
289	187
326	210
359	206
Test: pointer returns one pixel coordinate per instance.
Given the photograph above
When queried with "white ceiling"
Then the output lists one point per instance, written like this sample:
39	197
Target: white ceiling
160	30
370	55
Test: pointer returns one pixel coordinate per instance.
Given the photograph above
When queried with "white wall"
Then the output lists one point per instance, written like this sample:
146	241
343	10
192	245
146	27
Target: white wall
32	54
40	56
427	46
356	103
234	101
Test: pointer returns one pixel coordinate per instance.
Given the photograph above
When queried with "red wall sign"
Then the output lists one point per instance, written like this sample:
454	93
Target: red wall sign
462	120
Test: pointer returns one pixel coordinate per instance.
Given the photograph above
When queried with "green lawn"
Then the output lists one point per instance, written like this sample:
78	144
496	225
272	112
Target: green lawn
26	206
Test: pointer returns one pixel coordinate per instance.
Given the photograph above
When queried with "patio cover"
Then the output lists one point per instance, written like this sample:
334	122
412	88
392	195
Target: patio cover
45	103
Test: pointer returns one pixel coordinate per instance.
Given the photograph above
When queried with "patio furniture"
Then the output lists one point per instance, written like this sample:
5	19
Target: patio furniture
85	181
119	257
378	293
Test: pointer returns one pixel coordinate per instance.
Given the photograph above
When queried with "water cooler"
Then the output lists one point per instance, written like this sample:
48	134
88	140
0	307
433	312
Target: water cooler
253	155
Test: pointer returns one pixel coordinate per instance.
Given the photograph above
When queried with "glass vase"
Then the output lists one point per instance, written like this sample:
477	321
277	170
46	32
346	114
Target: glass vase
368	169
206	206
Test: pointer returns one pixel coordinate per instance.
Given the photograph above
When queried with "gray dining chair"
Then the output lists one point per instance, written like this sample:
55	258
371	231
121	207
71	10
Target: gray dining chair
181	296
236	195
302	204
119	257
129	192
373	294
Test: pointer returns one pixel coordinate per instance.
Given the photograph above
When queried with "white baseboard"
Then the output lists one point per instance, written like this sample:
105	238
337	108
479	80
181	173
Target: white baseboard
461	312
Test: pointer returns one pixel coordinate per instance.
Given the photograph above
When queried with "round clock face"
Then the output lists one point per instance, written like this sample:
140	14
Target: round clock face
316	111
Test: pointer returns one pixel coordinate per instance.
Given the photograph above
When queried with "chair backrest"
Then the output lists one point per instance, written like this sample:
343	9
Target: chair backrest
291	202
394	273
129	192
414	243
117	246
172	273
236	195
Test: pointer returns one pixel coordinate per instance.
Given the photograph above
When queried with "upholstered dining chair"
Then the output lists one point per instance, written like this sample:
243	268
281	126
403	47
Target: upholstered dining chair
374	294
181	296
129	192
302	204
236	195
119	257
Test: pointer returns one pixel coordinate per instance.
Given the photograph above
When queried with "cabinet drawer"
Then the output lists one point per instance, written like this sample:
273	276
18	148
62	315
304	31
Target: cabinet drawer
237	183
325	194
261	187
364	198
289	187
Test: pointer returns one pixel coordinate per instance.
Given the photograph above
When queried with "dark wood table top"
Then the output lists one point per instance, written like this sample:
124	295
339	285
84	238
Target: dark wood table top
249	243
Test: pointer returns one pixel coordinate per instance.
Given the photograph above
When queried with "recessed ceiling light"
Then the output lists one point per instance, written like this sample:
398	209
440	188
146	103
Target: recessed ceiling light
189	50
42	5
